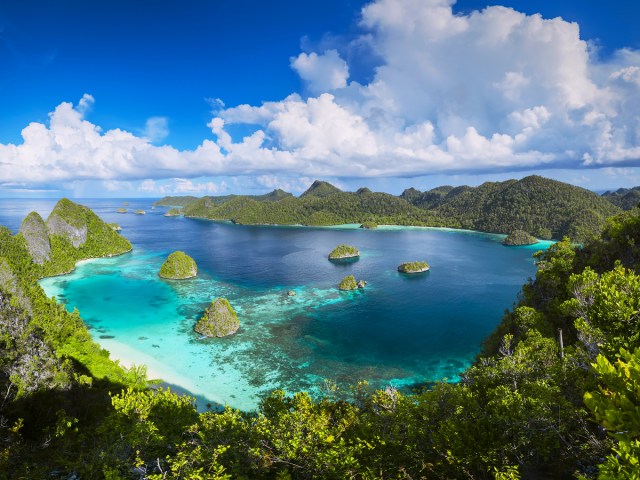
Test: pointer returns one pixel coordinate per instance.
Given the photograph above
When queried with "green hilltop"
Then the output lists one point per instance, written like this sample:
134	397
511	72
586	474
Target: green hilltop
625	198
539	206
322	204
77	233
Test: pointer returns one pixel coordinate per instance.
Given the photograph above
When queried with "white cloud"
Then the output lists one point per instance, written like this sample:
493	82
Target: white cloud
322	73
156	129
493	90
85	104
288	184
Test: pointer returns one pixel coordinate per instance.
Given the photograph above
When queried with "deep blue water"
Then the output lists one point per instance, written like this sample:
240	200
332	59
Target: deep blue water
401	330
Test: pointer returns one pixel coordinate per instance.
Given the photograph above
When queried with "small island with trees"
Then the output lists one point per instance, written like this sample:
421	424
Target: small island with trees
349	283
178	266
413	267
343	252
219	320
519	238
173	212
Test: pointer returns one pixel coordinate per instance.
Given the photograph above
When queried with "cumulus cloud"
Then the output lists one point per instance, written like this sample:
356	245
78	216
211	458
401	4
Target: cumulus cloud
288	184
322	73
492	90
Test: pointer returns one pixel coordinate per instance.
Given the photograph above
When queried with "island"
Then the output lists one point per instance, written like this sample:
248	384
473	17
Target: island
348	283
178	266
413	267
140	212
495	207
173	212
519	238
121	210
219	320
344	251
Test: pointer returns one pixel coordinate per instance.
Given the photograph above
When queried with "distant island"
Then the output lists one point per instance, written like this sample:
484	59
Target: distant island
519	238
178	266
344	252
413	267
140	212
545	208
369	225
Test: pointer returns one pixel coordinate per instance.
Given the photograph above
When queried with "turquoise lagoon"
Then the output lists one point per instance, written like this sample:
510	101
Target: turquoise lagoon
404	331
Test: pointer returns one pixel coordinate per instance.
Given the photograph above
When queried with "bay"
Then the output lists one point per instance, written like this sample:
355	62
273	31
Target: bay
403	331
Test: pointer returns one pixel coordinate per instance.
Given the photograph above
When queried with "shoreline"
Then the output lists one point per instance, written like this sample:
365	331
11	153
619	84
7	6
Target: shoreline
383	227
85	260
128	357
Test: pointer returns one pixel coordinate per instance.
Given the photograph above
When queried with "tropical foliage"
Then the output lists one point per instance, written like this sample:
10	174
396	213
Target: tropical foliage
413	267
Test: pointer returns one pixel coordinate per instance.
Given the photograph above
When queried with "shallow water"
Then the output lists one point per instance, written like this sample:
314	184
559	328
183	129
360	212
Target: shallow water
401	330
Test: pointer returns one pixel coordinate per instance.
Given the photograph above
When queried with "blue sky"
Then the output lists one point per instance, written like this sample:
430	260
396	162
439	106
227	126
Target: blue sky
146	98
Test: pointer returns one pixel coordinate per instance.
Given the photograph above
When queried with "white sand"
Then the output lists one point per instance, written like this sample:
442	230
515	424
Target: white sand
128	357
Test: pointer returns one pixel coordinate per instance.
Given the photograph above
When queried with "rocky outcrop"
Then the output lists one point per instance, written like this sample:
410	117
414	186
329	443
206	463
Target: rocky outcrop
178	266
413	267
34	232
219	320
344	251
518	238
68	220
369	225
348	283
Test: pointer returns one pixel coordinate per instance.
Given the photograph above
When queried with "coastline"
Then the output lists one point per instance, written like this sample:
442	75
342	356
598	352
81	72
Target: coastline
540	244
85	260
128	357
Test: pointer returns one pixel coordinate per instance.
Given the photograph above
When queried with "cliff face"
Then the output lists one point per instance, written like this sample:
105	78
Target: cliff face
34	232
68	220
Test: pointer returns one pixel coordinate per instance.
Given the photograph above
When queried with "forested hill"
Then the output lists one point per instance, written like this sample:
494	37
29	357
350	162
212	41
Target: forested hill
625	198
541	207
321	204
273	196
175	201
554	394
